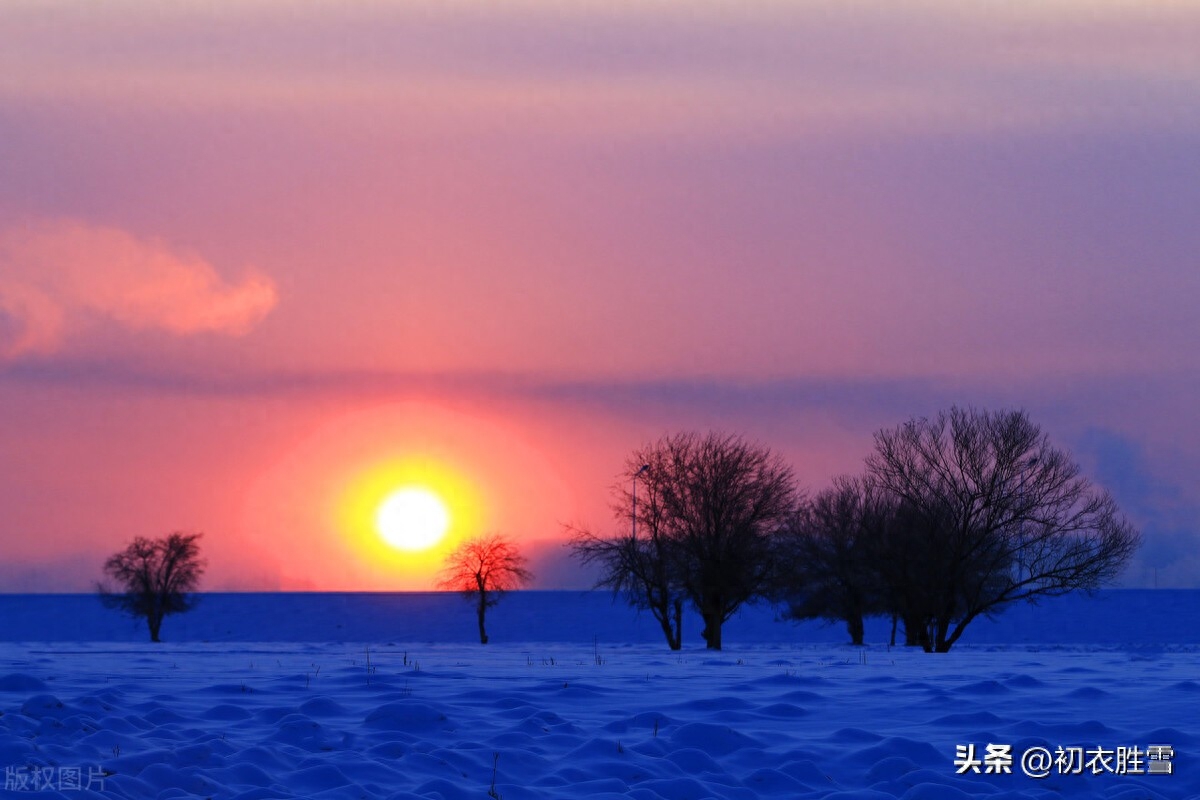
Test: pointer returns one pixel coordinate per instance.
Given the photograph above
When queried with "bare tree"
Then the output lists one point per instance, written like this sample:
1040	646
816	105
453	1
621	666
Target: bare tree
483	569
640	569
991	514
643	564
154	578
712	504
825	566
723	500
908	558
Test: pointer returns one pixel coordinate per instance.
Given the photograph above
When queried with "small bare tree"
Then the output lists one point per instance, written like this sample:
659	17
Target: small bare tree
154	578
992	513
643	564
482	570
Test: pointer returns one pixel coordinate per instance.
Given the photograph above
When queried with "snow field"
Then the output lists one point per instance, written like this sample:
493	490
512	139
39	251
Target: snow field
554	720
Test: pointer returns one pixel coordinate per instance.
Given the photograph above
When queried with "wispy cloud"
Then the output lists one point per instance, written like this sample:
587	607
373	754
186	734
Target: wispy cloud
58	277
638	68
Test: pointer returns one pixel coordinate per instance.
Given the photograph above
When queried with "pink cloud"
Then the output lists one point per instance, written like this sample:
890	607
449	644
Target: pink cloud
57	277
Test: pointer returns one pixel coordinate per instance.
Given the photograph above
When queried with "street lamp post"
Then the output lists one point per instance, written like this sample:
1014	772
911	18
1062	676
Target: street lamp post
1028	464
641	469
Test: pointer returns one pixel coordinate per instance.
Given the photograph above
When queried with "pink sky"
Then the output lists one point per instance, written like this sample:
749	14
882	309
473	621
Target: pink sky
248	250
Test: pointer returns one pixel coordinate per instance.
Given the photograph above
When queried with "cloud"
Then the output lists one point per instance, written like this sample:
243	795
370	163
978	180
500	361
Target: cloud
1160	507
56	277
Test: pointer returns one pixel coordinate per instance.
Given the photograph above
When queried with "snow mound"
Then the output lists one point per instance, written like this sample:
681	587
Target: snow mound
20	682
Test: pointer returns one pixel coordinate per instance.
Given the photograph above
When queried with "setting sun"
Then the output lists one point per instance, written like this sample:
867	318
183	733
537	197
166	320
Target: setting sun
413	518
333	495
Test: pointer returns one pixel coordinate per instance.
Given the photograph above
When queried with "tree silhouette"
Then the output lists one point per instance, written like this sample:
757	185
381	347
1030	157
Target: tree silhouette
482	570
723	500
154	578
710	507
988	513
643	564
826	556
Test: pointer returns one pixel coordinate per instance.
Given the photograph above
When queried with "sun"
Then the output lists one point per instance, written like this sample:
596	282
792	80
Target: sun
413	518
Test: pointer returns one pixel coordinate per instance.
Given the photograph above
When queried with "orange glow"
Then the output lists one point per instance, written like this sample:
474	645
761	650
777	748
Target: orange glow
314	514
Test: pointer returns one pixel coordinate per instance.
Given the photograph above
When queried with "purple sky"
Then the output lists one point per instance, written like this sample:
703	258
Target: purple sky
247	251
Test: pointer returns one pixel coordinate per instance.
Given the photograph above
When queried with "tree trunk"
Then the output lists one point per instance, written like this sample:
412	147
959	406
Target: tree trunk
854	624
482	612
953	635
914	631
670	619
895	621
712	630
940	644
677	642
917	633
154	622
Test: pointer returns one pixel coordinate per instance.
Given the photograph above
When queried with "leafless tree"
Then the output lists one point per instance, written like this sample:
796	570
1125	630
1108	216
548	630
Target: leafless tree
482	570
642	565
712	504
825	563
991	513
723	499
154	578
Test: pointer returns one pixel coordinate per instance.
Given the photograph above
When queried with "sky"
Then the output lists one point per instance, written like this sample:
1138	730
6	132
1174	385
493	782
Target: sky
261	262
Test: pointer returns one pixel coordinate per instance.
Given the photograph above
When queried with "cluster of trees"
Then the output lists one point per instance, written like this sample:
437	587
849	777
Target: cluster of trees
953	518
